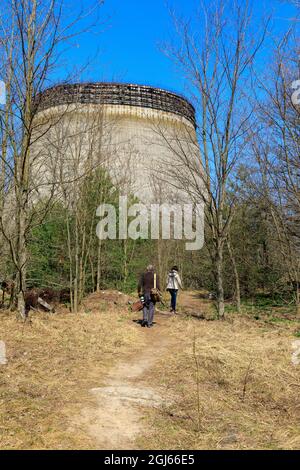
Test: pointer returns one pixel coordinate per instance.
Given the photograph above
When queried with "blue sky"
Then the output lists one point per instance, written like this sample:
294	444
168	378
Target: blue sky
125	47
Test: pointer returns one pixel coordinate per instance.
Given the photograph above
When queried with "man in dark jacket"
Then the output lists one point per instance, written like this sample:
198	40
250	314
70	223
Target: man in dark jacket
146	283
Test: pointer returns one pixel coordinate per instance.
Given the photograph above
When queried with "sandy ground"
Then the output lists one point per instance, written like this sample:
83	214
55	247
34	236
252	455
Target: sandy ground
116	419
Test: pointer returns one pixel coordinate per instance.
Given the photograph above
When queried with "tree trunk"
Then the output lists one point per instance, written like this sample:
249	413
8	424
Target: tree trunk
21	260
70	264
125	266
98	266
298	298
220	289
236	276
76	278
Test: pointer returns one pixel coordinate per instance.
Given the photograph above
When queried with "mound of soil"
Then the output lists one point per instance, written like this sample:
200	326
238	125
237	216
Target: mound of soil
109	297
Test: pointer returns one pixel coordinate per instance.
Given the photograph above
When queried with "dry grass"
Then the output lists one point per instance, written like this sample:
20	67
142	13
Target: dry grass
246	395
52	363
233	383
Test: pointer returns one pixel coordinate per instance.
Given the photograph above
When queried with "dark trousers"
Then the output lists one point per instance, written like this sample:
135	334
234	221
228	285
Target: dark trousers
148	309
173	293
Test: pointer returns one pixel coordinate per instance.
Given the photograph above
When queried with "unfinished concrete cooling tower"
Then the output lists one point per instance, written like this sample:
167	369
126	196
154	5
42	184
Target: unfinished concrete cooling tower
135	131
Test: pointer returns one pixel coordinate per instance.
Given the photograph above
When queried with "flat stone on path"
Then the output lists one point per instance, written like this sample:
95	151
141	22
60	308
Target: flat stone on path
296	353
124	392
3	359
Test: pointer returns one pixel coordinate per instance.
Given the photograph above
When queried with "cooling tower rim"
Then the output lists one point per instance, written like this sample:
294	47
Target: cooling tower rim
140	95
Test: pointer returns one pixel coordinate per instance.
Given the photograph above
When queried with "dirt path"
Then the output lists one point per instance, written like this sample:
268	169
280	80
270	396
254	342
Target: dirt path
116	420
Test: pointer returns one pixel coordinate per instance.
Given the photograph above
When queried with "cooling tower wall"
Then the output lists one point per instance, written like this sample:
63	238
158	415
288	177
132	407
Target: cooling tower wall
136	132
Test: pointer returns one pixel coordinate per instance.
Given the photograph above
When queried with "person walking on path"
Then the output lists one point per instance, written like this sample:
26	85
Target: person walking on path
173	284
147	282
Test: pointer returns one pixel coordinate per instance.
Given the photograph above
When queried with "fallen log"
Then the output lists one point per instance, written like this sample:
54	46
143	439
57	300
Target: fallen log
36	298
45	305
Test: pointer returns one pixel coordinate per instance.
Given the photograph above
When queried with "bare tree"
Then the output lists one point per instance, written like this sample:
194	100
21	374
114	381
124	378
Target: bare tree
80	147
276	146
32	33
216	58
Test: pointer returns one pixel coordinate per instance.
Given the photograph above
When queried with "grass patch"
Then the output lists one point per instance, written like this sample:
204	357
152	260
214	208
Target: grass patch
231	383
52	363
242	395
